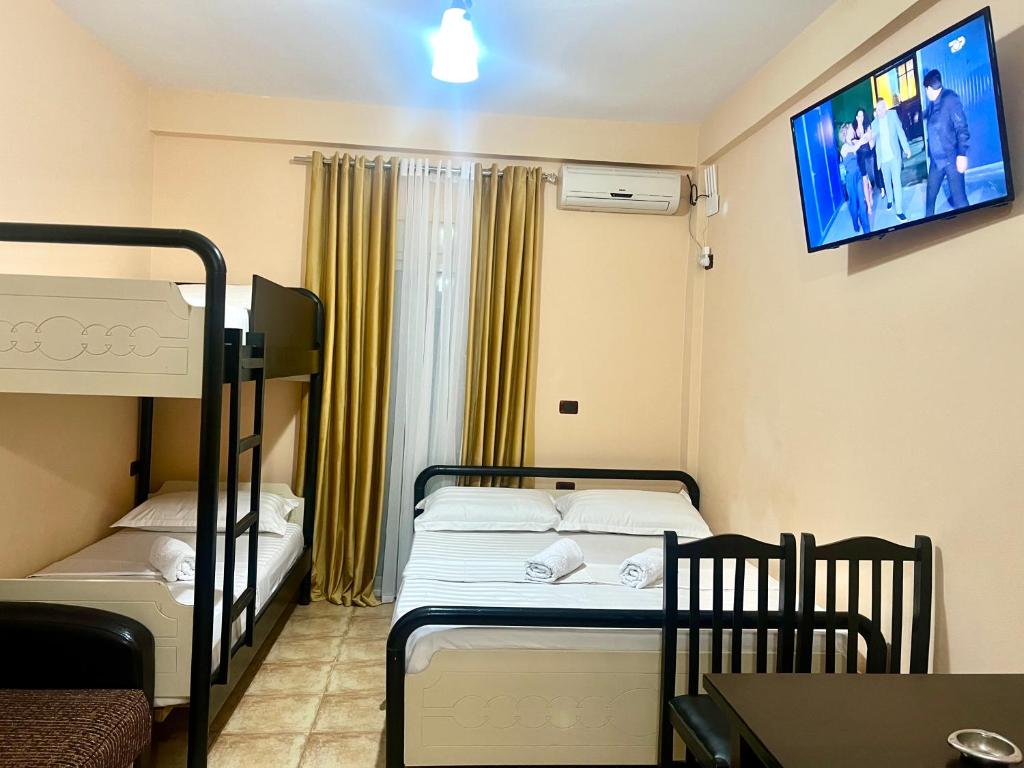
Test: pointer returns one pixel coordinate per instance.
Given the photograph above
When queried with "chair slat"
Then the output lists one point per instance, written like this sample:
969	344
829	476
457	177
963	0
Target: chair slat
830	616
717	614
693	654
876	592
896	640
737	616
853	610
762	613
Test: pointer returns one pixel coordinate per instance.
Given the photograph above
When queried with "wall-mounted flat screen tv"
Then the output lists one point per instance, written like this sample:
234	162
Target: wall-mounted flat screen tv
921	137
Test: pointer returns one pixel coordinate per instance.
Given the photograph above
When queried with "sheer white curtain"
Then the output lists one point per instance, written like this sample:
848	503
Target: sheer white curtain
431	320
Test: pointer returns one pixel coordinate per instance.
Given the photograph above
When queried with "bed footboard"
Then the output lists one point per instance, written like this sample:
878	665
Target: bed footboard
148	602
620	733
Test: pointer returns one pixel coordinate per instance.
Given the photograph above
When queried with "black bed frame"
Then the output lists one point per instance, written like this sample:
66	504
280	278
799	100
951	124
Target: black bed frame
285	340
583	618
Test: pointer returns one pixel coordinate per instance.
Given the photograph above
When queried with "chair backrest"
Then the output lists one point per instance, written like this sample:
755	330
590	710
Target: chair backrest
47	646
718	550
854	552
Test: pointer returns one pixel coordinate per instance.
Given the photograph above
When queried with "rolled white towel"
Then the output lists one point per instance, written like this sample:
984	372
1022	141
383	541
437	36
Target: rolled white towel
554	562
175	559
642	569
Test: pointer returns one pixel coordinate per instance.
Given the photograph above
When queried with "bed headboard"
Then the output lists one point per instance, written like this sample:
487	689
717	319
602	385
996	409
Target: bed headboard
292	321
457	470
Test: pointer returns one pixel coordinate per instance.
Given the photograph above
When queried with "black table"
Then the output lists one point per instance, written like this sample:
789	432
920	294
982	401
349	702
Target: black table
855	721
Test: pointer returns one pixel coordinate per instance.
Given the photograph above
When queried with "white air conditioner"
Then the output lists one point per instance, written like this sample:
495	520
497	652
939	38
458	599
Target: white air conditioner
618	190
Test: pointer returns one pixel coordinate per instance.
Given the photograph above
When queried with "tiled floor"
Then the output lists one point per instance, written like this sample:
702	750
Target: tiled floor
316	700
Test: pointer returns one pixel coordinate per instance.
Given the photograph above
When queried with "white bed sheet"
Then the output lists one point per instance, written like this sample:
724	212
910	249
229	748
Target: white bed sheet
125	555
480	569
237	302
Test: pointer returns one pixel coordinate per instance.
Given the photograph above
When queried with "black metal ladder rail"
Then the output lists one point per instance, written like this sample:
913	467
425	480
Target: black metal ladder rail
243	362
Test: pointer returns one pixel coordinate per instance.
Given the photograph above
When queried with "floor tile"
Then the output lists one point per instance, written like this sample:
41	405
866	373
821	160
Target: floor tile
298	648
316	626
237	751
364	676
362	650
320	608
341	713
332	750
382	611
308	677
369	629
285	713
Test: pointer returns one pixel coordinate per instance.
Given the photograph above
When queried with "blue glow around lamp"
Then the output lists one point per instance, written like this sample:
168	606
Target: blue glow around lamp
455	46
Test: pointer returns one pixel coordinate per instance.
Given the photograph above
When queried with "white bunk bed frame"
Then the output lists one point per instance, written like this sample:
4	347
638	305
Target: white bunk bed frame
137	338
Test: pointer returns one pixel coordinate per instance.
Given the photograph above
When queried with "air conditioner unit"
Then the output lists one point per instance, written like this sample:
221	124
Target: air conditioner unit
618	190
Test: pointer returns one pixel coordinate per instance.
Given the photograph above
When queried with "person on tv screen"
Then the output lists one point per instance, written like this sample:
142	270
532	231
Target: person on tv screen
891	147
948	137
854	179
865	156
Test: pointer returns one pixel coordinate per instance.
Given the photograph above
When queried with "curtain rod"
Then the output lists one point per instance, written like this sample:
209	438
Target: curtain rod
308	159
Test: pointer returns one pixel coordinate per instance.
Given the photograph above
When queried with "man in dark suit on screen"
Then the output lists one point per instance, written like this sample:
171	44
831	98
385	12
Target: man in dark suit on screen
948	137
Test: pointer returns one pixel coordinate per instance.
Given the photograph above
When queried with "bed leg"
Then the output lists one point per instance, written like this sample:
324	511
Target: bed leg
394	701
306	590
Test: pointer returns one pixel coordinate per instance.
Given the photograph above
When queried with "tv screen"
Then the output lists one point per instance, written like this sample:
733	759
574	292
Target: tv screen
921	137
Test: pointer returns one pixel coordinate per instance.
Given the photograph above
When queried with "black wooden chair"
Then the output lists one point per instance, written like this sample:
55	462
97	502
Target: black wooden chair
76	686
698	721
854	552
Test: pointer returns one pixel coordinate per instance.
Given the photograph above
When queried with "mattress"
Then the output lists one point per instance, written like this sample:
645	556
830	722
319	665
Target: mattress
485	569
125	556
237	302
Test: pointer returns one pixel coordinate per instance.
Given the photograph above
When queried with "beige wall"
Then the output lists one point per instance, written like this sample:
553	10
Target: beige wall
875	388
612	302
824	46
370	126
250	200
74	147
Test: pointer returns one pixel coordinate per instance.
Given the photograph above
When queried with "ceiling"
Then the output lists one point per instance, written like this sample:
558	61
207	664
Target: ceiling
644	60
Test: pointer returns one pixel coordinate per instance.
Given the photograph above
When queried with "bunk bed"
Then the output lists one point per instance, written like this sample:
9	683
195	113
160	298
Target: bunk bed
485	671
149	339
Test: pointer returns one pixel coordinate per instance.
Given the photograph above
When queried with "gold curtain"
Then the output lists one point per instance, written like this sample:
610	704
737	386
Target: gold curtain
501	367
350	257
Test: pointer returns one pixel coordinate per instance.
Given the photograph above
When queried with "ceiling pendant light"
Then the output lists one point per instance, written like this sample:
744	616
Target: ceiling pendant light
455	46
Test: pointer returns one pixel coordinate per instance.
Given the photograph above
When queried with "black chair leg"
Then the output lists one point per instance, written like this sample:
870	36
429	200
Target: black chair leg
666	737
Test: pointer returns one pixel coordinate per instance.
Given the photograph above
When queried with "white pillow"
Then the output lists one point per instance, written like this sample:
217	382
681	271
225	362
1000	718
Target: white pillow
457	508
178	512
640	513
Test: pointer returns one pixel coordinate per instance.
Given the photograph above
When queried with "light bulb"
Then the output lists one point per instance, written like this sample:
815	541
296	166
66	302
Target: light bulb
455	48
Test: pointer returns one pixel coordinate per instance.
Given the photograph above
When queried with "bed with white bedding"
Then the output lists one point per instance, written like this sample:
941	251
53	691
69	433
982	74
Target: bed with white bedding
114	574
107	336
539	695
486	668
